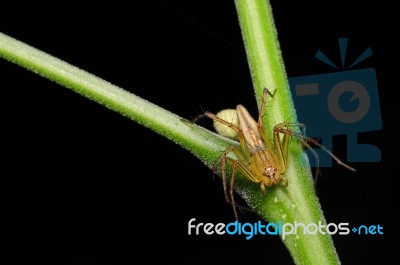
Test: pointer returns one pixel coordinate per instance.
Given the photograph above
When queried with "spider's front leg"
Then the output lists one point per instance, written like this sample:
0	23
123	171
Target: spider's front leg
286	130
223	161
222	166
236	166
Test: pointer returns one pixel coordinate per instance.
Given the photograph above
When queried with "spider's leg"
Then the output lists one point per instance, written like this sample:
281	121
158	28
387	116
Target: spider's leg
266	92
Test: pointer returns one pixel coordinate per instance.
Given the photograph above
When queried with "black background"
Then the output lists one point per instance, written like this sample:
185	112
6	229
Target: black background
81	184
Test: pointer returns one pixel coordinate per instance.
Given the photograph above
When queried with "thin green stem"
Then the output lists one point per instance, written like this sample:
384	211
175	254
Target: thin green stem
202	143
298	202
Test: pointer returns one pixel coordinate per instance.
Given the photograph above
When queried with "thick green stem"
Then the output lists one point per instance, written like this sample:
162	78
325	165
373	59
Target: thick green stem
298	202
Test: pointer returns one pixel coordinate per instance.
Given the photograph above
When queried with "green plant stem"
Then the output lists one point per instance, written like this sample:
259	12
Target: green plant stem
202	143
298	202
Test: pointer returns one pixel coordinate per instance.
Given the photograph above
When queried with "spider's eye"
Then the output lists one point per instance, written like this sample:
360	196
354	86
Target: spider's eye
269	171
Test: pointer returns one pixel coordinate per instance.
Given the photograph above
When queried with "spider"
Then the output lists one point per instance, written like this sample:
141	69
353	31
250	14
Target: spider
259	158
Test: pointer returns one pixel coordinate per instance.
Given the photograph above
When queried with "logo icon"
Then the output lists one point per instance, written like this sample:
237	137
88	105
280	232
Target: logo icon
342	102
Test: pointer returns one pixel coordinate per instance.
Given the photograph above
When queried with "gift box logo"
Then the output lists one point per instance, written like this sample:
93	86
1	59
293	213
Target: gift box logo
342	102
